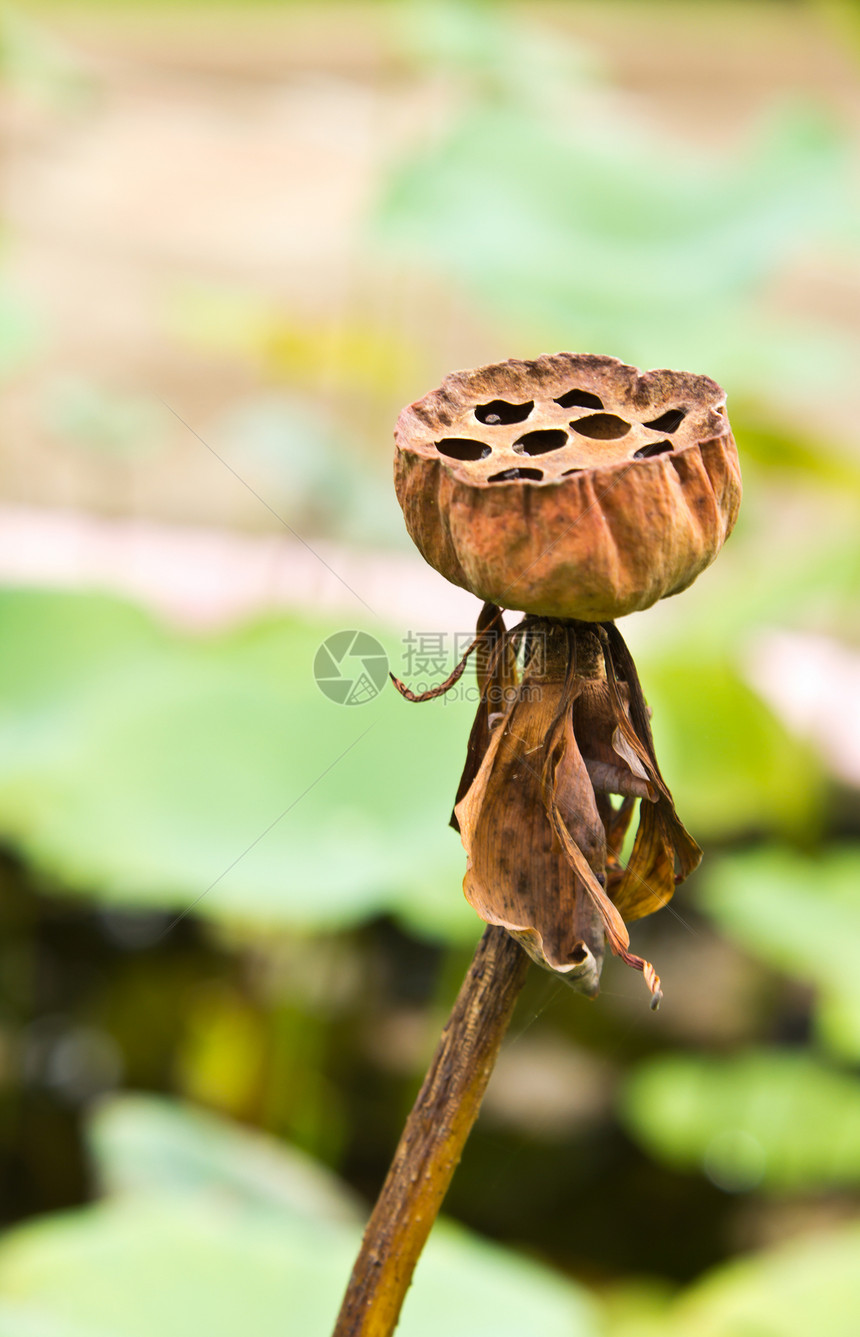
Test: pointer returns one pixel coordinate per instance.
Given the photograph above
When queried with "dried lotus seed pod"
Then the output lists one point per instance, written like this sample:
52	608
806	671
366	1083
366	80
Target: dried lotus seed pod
573	486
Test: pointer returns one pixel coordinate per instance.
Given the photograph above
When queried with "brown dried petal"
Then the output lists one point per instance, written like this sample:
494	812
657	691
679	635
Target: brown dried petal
612	764
496	669
517	874
648	881
543	843
662	840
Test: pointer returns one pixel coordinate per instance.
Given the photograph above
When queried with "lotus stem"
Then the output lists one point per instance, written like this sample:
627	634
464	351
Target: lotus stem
433	1139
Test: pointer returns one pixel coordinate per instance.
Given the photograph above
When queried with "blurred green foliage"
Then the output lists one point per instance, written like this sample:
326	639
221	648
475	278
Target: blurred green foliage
782	1294
253	1240
744	772
38	64
297	450
91	418
582	228
161	770
802	917
776	1118
19	331
238	1231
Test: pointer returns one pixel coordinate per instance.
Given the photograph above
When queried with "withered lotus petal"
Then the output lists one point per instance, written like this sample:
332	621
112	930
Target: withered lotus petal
533	837
607	530
648	881
662	839
497	677
517	876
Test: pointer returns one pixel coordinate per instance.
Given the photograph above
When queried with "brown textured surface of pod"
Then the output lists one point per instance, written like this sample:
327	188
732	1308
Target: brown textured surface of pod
573	486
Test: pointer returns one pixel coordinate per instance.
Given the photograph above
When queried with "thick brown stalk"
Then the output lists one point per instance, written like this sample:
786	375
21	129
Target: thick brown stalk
433	1139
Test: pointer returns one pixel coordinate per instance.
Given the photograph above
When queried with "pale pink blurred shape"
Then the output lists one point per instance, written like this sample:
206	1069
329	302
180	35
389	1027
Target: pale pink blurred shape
205	578
813	684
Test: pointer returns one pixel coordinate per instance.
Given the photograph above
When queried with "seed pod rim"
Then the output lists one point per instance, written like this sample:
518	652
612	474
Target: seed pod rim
484	532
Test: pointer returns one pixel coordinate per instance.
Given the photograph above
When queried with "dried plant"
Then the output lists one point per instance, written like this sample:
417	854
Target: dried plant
575	489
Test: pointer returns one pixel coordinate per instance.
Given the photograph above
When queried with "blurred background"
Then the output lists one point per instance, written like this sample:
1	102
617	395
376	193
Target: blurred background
234	240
